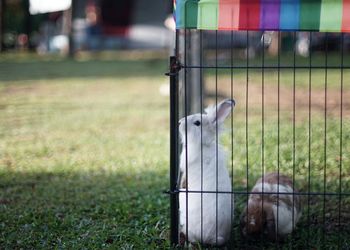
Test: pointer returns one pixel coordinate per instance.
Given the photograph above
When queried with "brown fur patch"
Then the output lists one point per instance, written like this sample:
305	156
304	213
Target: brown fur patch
183	182
258	217
273	178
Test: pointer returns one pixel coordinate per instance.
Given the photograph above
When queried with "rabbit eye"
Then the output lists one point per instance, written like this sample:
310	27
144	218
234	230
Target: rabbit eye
197	123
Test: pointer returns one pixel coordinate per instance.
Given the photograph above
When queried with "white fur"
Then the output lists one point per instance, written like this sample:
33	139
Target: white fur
285	218
207	209
285	213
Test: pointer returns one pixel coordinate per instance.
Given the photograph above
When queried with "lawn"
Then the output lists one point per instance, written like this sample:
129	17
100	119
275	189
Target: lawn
84	152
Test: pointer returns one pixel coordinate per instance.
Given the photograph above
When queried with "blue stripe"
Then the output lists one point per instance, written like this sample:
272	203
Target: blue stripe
290	14
178	14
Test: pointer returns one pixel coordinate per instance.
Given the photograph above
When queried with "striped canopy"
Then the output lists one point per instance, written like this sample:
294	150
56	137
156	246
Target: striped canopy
284	15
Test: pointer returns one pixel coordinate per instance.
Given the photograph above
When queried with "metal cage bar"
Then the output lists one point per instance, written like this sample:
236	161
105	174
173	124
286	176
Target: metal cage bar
182	66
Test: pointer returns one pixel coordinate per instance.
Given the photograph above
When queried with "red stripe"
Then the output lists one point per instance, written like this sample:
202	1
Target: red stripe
249	15
346	16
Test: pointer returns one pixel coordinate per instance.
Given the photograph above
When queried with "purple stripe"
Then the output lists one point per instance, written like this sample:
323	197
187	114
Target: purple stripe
270	14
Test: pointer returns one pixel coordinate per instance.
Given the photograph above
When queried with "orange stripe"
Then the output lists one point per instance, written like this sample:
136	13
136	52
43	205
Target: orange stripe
228	14
346	16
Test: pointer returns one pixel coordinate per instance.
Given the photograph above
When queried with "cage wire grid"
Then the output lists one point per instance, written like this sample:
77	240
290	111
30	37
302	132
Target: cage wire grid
197	65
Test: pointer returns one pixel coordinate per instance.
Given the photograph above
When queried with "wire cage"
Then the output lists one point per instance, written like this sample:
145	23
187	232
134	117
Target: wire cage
286	136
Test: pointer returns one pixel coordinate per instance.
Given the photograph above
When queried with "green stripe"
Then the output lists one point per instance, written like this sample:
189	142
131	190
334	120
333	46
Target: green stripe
191	13
208	11
310	14
331	15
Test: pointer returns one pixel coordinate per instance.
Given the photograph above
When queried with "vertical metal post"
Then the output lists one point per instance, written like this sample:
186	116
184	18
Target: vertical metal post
174	216
72	12
2	13
195	95
27	23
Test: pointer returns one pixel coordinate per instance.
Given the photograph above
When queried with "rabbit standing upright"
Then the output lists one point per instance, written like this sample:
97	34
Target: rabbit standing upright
205	218
274	215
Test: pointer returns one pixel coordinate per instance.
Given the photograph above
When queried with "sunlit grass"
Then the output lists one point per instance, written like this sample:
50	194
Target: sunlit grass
83	159
84	154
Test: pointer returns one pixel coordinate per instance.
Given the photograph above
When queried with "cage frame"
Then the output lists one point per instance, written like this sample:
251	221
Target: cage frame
176	67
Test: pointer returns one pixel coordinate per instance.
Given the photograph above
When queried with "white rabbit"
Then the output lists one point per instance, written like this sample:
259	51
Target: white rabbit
262	209
209	219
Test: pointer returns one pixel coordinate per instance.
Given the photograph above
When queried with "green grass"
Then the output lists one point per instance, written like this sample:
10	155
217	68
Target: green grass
84	155
303	169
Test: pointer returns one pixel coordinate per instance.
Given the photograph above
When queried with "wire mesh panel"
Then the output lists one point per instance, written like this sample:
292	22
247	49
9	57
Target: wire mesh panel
279	174
268	163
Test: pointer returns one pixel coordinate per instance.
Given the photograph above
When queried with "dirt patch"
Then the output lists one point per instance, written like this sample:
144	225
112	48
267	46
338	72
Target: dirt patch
4	201
16	89
269	96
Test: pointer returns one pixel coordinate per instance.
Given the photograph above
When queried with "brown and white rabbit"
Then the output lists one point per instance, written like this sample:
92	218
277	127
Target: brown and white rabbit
260	216
210	214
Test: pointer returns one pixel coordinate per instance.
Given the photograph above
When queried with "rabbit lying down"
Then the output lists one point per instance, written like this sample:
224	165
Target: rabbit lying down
205	218
260	217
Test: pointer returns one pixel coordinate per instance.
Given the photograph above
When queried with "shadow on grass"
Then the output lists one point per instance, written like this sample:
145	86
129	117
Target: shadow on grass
84	210
95	210
38	69
320	226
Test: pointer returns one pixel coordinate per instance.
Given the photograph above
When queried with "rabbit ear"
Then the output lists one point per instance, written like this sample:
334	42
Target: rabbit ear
223	110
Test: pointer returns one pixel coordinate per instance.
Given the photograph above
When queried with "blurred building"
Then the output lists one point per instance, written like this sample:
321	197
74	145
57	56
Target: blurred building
57	25
92	24
109	24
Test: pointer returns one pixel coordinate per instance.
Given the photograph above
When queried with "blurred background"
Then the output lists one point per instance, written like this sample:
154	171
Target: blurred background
84	116
84	124
81	25
94	25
